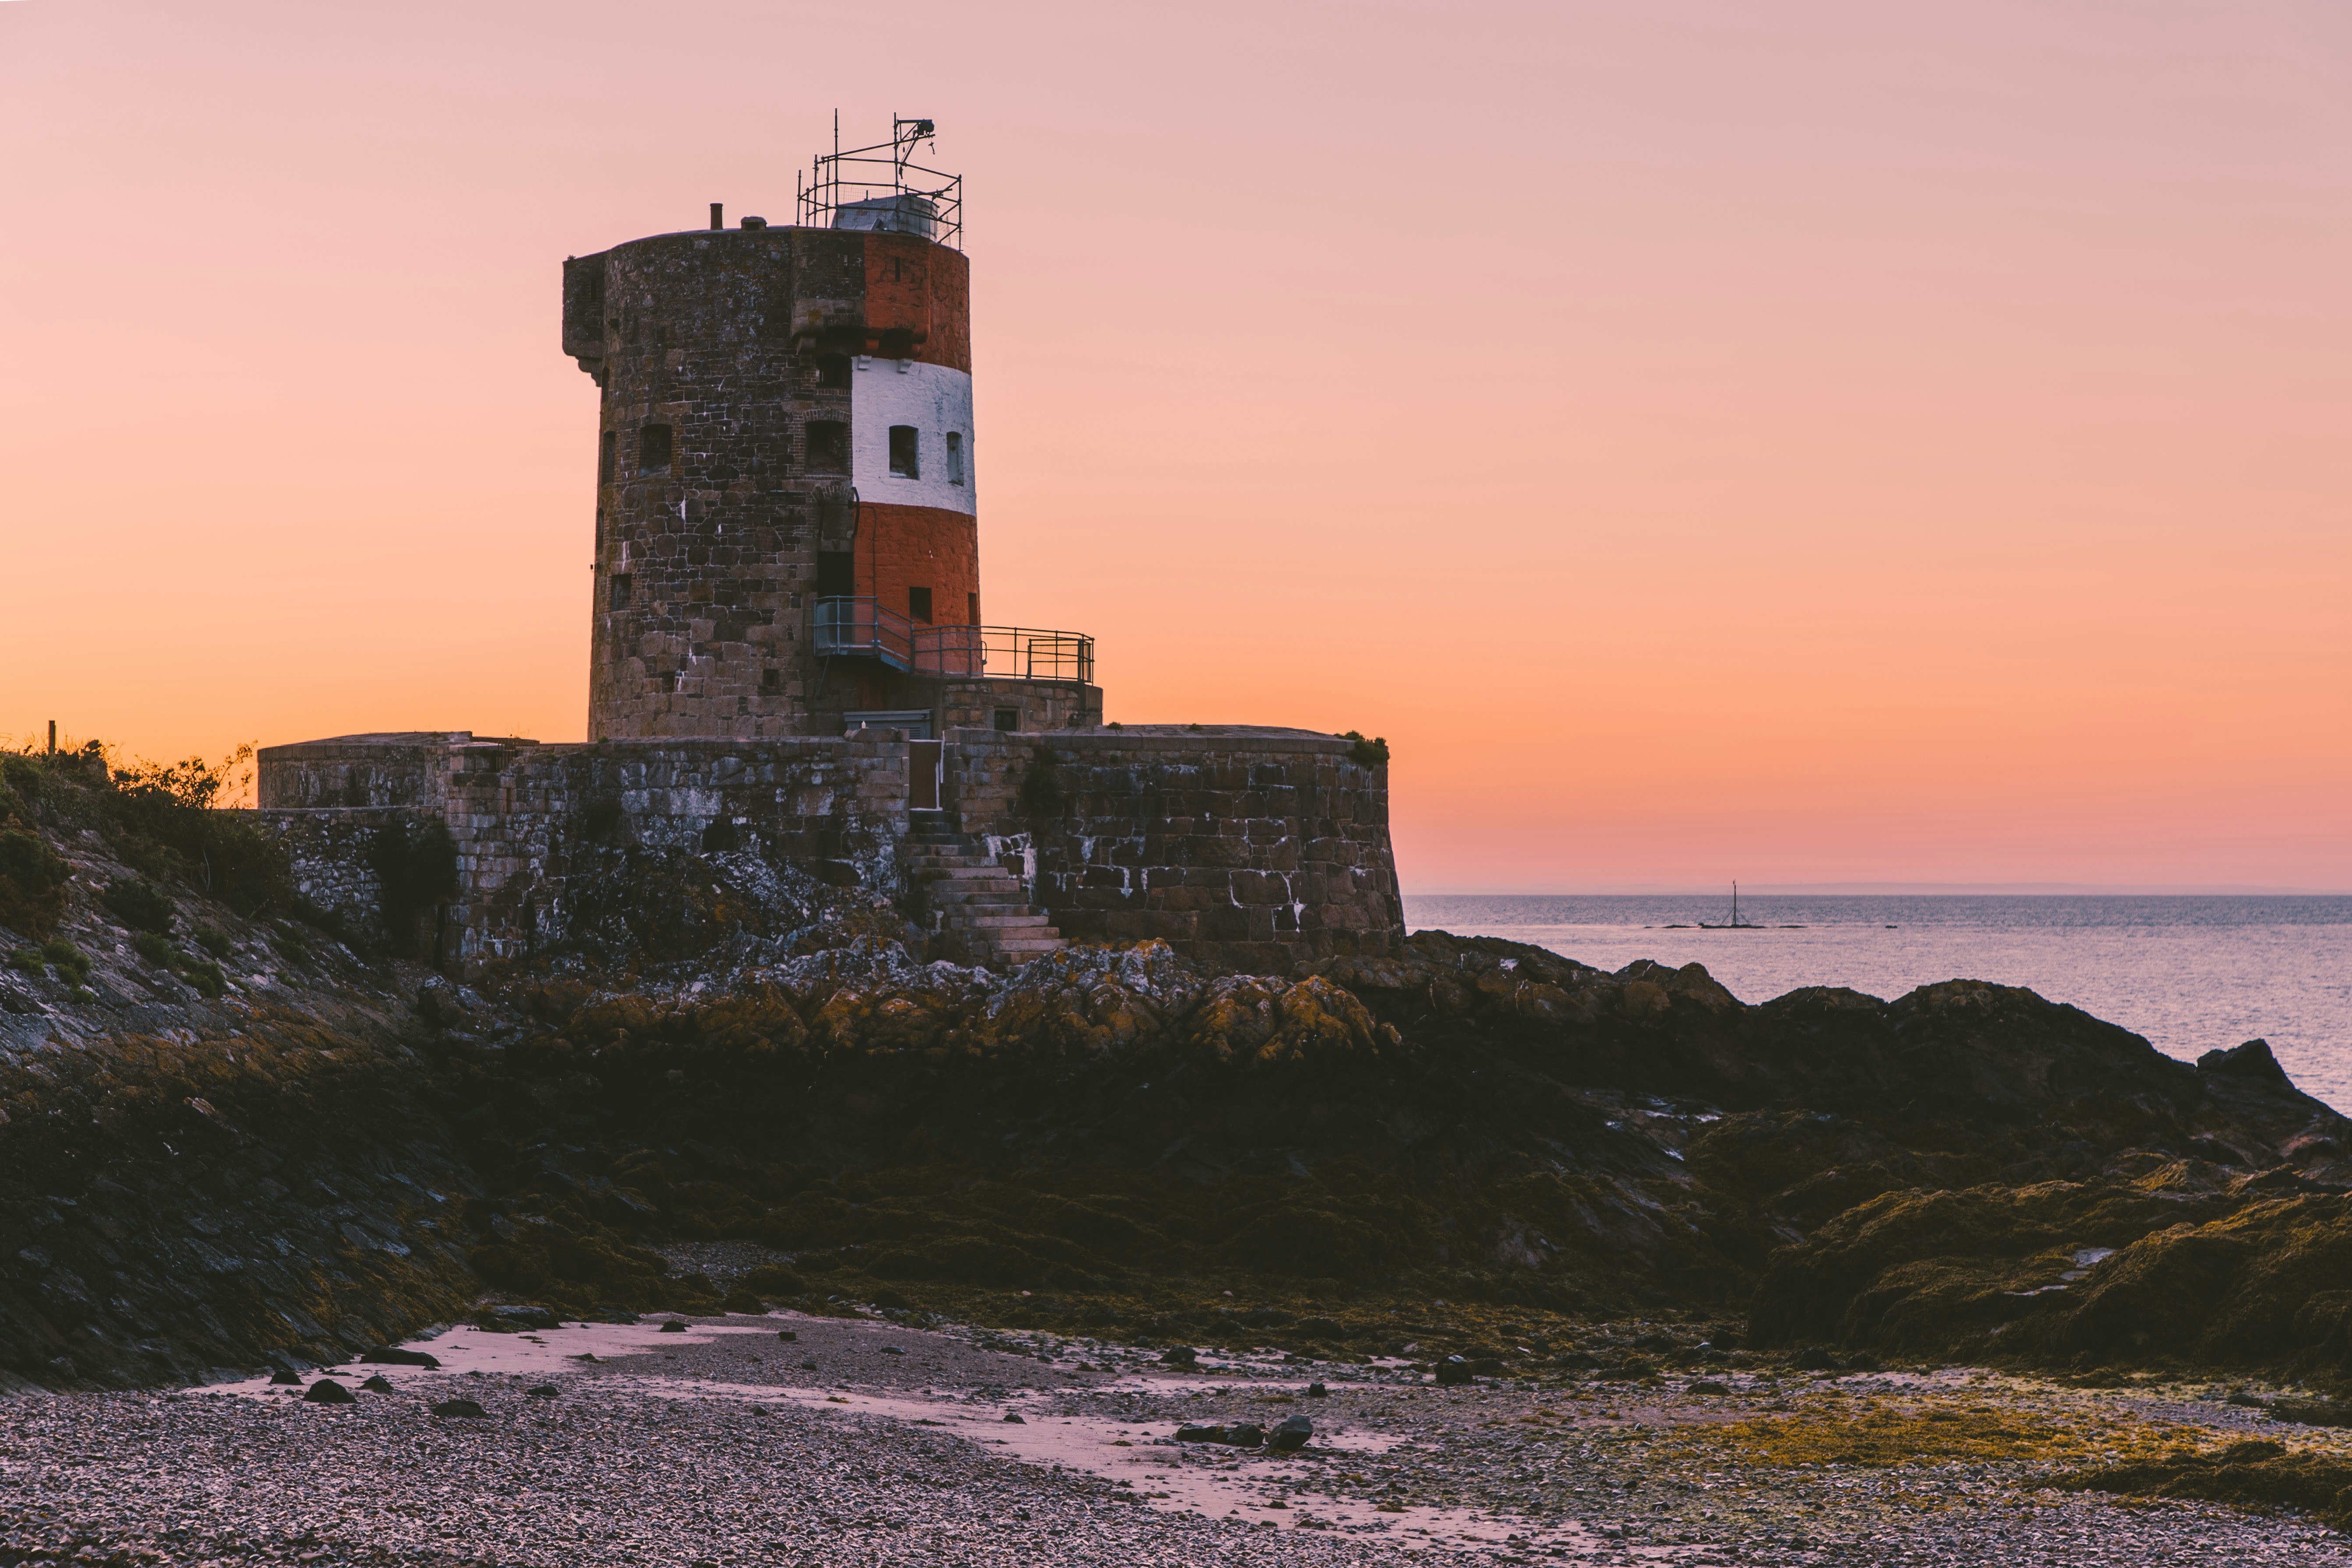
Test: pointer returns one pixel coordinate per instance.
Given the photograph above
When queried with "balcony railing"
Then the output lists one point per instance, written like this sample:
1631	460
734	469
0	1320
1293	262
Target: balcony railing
861	627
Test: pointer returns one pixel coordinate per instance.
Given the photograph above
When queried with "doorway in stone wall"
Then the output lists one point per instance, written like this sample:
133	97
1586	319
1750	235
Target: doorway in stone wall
923	766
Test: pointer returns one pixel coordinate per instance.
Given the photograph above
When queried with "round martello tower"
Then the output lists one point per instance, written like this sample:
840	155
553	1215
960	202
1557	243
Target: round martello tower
786	484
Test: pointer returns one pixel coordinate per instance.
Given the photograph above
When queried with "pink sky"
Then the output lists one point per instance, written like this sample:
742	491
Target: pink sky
1803	442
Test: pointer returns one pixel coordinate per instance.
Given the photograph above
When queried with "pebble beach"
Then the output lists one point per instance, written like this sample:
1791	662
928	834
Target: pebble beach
806	1442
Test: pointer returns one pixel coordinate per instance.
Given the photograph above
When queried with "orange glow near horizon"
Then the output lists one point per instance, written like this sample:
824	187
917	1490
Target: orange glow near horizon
1823	442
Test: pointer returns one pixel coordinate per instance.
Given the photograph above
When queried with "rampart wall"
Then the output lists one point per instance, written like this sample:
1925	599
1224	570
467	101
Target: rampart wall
1246	847
525	818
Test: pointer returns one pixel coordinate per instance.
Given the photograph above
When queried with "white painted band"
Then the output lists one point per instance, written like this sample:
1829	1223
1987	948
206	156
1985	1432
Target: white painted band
936	402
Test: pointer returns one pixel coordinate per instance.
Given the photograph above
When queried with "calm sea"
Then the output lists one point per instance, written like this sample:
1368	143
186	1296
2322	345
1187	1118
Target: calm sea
2188	972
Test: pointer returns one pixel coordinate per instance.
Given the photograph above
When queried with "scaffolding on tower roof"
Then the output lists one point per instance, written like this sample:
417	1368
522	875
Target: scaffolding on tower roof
882	188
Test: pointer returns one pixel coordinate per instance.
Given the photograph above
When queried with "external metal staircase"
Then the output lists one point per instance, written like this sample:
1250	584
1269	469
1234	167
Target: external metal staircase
973	901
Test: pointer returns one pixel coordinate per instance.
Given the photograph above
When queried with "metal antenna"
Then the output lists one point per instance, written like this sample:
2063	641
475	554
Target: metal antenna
904	134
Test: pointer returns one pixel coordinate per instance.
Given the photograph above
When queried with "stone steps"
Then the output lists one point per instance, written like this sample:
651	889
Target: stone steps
972	894
974	900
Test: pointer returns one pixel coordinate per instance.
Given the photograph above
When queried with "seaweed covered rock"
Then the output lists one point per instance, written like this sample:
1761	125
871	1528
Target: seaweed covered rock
2270	1284
1945	1272
2101	1274
2251	1473
722	1050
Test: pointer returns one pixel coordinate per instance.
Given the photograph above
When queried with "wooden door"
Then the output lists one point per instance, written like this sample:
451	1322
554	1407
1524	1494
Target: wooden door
922	775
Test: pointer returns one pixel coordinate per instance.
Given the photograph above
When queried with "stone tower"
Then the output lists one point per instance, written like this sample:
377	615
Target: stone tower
787	537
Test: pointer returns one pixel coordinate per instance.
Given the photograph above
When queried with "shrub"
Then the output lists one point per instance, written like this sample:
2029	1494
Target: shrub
32	880
156	950
1366	753
213	939
73	964
139	904
21	775
1040	796
205	975
165	822
30	961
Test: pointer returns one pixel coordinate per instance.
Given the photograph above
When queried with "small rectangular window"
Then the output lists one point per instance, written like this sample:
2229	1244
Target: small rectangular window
605	457
828	446
1008	719
622	584
837	573
955	457
903	461
918	605
772	679
652	449
833	370
971	609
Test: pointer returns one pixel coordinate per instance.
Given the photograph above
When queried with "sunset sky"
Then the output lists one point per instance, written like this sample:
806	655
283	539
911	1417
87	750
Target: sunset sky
1803	442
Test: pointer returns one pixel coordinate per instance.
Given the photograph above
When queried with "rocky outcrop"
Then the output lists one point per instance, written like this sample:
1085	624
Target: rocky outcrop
2184	1267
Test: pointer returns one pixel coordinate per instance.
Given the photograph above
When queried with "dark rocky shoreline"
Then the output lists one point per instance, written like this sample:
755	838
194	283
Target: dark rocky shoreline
336	1148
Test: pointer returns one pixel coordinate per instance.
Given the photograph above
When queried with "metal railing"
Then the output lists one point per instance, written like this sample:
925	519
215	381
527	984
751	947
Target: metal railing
871	188
861	626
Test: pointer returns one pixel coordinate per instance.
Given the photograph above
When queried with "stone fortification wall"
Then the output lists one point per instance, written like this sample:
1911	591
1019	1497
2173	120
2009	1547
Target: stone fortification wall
336	852
1246	847
1242	847
527	819
408	768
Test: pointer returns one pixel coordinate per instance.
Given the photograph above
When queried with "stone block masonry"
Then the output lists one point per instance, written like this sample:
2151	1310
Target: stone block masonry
1243	848
525	816
333	851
